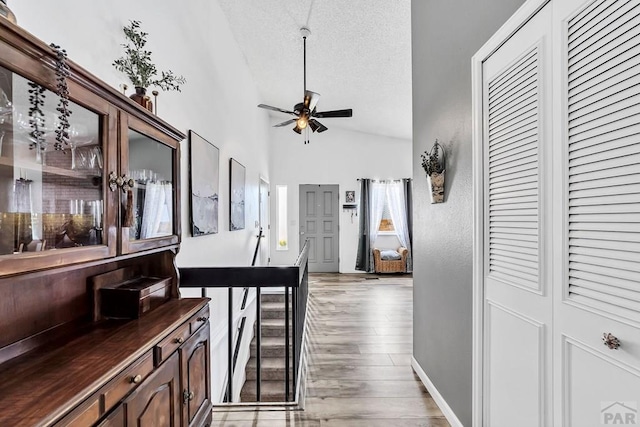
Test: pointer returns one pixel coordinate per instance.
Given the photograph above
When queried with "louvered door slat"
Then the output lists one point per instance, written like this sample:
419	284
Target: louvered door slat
525	103
601	96
605	182
524	138
603	253
584	148
618	30
604	236
604	157
615	66
617	110
623	266
585	20
512	172
523	79
628	295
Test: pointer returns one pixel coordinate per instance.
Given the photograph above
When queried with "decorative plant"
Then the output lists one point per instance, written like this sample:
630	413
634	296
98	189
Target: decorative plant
136	62
433	160
62	89
36	115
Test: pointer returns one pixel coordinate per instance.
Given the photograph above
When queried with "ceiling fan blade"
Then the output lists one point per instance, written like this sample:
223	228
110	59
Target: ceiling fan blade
311	99
316	126
334	113
288	122
269	107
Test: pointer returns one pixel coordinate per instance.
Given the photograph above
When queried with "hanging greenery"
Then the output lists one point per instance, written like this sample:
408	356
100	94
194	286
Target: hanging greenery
36	116
136	62
62	90
433	160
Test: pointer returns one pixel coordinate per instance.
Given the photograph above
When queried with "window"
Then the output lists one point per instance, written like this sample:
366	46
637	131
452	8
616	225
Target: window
281	218
386	223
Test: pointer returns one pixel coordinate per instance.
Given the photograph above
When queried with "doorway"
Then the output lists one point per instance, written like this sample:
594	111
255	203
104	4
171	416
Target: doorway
264	206
319	224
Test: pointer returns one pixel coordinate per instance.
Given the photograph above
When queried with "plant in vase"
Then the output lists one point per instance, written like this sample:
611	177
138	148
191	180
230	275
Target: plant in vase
433	163
136	64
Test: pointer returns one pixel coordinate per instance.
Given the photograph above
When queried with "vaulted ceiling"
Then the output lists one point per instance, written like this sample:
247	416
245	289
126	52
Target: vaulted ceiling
358	56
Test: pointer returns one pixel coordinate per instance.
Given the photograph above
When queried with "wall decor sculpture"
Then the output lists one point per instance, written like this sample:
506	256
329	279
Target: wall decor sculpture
433	163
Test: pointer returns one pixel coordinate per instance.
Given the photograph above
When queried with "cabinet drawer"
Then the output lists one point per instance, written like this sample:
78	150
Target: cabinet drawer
127	381
84	415
199	319
171	343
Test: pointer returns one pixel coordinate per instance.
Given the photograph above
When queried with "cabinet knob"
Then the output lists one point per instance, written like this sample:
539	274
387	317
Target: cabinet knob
187	396
123	182
179	340
136	380
202	319
610	341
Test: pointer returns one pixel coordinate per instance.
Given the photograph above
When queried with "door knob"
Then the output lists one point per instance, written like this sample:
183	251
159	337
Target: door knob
611	341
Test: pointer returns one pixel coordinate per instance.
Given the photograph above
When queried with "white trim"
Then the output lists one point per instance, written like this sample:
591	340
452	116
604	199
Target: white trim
517	20
435	394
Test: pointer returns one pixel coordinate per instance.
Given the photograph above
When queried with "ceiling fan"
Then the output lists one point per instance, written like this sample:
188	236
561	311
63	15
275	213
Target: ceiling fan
305	112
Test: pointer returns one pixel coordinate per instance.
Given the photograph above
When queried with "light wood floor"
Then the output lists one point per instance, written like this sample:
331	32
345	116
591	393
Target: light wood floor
359	359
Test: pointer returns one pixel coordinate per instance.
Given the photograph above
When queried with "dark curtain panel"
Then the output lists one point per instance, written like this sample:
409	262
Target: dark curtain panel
364	249
408	197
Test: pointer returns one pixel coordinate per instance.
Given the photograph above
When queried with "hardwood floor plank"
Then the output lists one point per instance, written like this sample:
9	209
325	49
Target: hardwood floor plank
365	388
359	336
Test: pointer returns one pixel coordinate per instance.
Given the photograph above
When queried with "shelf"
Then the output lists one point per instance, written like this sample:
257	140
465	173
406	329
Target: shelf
34	166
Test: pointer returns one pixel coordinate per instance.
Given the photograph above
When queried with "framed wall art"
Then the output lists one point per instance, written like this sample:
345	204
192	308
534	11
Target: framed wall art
237	176
204	176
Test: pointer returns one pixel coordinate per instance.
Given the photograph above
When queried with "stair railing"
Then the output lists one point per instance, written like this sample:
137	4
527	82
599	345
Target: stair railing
294	280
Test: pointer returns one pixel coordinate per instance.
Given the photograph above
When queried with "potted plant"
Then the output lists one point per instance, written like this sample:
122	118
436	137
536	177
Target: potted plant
136	64
433	163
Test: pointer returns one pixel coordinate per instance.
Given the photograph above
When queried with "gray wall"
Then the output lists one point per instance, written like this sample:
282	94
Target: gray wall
445	35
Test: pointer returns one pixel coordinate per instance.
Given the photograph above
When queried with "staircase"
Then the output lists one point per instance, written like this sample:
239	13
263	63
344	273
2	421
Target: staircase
272	387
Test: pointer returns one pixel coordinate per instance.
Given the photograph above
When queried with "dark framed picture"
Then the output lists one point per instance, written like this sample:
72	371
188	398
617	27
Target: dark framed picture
350	196
237	176
204	177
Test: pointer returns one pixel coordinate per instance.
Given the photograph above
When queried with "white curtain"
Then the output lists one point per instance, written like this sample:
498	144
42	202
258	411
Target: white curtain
376	206
398	211
157	211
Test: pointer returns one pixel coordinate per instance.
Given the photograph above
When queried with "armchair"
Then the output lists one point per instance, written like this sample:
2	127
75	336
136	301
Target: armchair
386	261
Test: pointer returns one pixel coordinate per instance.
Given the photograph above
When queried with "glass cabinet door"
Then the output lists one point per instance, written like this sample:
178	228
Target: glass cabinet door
150	206
52	192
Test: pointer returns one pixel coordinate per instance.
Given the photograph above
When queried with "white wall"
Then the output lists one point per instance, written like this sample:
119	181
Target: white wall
445	36
334	157
218	102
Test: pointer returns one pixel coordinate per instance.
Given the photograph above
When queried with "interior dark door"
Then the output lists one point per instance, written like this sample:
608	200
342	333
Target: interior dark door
319	225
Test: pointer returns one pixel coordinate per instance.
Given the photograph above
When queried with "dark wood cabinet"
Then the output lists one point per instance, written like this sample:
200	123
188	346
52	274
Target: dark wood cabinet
194	360
156	403
108	202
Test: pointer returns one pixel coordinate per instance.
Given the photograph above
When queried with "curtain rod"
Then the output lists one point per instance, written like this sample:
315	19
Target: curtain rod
384	180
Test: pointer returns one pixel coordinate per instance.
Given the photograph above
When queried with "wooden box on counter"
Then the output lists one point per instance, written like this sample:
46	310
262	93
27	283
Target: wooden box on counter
127	294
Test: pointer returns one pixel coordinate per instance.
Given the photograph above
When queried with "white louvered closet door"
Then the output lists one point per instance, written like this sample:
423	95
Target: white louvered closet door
598	211
517	340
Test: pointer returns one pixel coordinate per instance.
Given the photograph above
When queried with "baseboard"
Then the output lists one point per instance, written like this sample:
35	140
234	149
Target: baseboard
437	397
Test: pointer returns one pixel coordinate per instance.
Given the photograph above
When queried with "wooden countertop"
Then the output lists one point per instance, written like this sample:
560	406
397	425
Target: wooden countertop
41	386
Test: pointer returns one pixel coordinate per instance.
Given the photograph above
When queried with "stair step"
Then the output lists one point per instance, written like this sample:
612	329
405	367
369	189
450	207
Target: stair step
271	347
272	298
272	368
274	310
270	391
273	328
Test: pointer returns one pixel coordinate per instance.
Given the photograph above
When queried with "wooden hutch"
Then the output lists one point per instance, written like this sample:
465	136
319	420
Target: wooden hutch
92	327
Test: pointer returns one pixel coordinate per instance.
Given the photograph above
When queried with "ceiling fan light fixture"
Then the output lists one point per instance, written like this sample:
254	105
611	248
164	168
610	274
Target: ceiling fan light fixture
297	130
301	123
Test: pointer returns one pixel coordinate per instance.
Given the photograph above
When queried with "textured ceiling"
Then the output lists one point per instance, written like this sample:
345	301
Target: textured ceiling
358	56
